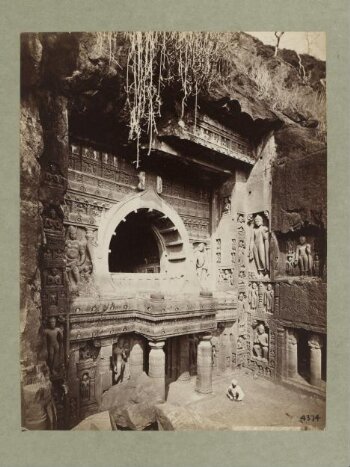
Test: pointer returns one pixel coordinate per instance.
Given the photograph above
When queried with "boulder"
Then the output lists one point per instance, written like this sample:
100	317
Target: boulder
175	418
132	404
96	422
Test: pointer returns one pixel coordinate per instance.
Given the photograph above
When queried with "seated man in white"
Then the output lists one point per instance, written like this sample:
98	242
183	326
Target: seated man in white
234	392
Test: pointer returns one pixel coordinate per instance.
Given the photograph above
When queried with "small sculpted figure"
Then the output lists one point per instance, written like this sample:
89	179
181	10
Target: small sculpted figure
54	342
75	251
241	251
316	265
120	361
241	305
290	262
85	386
261	343
227	205
54	277
52	221
201	264
234	391
259	246
303	256
268	298
254	296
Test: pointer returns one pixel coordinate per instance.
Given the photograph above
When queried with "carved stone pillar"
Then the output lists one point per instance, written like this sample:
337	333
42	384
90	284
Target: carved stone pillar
136	359
315	345
184	373
281	353
204	366
292	354
104	366
156	368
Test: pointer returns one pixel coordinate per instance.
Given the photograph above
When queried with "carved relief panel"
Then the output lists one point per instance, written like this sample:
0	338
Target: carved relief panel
301	253
78	255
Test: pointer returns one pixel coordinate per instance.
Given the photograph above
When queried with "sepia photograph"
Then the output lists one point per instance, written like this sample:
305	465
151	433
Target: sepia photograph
173	231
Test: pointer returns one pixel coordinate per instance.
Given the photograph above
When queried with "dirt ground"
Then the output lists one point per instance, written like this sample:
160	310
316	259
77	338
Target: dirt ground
266	405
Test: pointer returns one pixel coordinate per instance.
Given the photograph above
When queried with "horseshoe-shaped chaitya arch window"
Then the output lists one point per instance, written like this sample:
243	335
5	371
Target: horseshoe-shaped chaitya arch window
139	236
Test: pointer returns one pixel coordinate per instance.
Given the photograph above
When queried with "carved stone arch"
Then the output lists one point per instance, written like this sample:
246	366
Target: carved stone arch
167	225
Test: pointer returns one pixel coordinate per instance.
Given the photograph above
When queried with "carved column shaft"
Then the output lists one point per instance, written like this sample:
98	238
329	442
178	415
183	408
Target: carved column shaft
184	372
157	365
105	369
292	354
315	360
136	359
204	366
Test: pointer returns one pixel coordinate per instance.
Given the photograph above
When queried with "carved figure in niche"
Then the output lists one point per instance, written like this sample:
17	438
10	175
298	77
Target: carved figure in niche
227	276
259	246
261	343
240	230
142	181
290	262
240	343
201	263
52	221
54	343
253	296
218	244
241	274
85	386
226	205
233	251
121	352
75	251
303	256
54	277
241	305
53	174
316	265
240	218
241	251
268	298
218	257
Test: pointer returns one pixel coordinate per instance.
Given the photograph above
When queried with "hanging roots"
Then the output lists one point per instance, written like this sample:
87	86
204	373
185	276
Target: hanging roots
194	61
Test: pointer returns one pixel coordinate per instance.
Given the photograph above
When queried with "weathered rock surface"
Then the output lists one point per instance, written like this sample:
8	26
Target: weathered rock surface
299	183
175	418
132	404
38	412
98	422
304	301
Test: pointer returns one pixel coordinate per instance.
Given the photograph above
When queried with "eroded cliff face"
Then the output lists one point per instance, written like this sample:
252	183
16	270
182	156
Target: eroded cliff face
299	186
36	385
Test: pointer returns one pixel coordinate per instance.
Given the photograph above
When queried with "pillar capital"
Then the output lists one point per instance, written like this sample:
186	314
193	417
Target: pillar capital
315	342
206	337
156	344
292	337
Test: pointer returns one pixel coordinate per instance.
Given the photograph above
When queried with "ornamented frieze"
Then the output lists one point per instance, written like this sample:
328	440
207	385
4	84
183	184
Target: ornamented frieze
211	134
